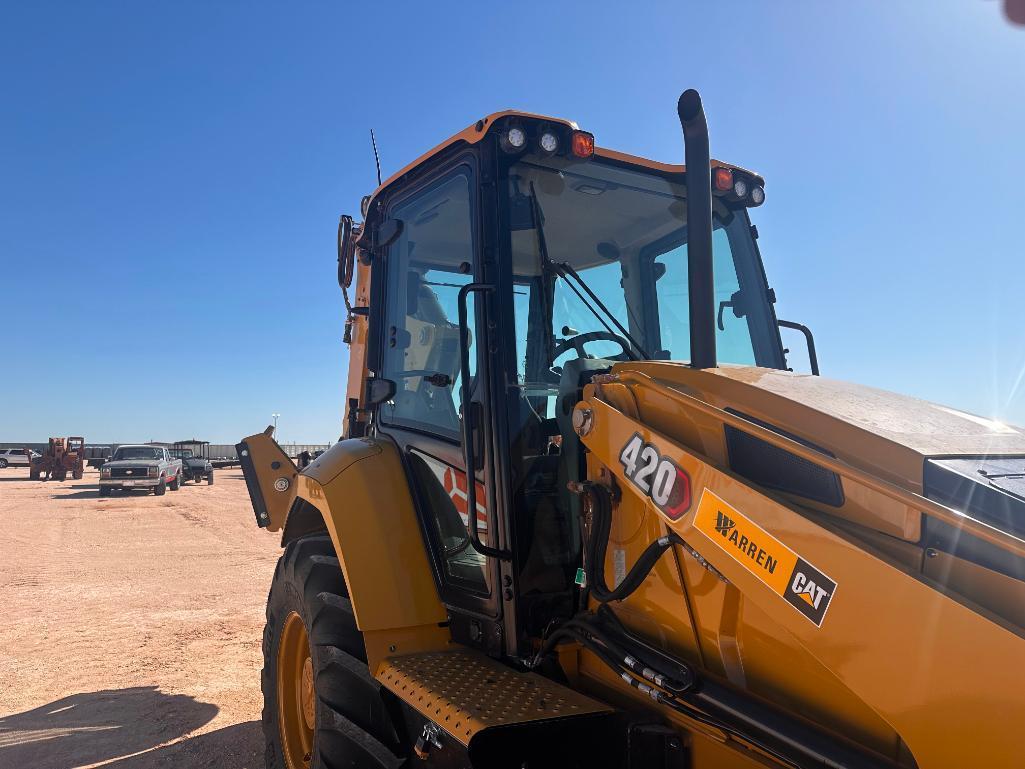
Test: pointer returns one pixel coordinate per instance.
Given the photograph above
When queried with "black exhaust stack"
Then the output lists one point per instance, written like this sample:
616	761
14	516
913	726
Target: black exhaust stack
699	230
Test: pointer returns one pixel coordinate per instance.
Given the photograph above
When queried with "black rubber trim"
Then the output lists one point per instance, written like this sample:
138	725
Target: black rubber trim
245	459
303	519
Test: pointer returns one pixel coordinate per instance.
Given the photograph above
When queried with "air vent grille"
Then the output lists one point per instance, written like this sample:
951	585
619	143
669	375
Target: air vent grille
778	469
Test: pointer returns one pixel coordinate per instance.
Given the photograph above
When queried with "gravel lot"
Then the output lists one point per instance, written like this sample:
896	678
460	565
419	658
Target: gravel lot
131	625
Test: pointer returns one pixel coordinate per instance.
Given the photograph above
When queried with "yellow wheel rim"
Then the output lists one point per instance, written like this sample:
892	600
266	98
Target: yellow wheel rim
296	698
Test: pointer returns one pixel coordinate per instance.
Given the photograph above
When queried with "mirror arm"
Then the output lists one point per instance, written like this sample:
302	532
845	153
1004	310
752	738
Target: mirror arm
718	318
813	359
469	457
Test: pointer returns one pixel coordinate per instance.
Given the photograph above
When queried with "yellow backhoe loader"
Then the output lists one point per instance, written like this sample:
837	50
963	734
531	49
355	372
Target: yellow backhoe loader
584	515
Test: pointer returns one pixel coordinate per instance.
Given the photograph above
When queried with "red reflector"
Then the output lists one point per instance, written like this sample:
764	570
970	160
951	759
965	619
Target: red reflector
722	178
583	144
679	496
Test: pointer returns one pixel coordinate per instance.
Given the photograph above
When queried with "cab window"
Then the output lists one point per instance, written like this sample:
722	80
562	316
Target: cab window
427	265
733	338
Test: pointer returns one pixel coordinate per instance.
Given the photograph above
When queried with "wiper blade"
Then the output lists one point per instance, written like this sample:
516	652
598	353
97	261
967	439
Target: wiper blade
564	271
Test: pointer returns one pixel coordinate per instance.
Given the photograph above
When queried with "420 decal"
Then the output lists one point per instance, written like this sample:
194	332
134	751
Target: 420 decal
657	477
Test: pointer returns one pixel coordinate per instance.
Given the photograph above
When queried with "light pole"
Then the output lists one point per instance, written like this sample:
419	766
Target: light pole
275	416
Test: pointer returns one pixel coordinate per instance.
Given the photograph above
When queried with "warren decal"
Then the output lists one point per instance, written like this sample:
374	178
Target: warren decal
791	577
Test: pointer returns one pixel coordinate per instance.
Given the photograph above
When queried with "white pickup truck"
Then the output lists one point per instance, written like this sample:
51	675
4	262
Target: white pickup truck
140	467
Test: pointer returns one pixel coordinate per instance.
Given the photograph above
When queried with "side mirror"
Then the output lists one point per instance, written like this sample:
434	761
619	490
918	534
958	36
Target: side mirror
346	251
387	233
813	360
379	390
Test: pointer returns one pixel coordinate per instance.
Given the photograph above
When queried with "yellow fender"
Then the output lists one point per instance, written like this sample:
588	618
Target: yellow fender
359	493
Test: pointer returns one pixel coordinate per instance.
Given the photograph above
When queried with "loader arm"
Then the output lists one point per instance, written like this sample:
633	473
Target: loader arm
901	644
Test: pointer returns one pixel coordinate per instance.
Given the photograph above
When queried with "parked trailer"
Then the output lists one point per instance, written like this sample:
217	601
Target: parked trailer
95	456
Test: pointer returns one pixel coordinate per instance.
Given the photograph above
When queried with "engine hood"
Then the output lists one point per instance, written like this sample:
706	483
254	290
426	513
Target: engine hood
888	434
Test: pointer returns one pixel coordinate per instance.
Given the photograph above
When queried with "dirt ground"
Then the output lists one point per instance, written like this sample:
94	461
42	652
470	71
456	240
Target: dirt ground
130	626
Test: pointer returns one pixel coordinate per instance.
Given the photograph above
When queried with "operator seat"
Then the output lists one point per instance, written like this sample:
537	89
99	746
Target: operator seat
575	374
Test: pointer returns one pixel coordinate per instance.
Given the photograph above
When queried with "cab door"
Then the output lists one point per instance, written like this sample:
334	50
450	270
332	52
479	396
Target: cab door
436	255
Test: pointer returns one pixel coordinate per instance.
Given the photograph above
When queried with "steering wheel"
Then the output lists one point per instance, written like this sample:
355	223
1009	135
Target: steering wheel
577	343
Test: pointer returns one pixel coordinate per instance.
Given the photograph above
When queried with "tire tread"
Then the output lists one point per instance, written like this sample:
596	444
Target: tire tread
354	727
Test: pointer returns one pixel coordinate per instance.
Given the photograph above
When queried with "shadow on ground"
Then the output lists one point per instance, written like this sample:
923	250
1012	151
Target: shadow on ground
58	484
91	491
123	728
84	490
233	747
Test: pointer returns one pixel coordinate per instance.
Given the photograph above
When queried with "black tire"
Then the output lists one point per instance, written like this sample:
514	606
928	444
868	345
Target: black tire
353	723
105	491
209	479
176	483
3	463
161	488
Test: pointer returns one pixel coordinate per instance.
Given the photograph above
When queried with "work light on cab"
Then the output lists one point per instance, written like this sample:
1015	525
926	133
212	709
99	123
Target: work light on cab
757	196
582	144
549	141
514	139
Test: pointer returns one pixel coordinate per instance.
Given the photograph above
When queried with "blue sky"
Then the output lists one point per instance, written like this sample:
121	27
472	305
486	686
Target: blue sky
171	176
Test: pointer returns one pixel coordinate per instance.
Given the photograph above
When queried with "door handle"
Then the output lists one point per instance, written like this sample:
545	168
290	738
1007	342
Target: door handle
470	430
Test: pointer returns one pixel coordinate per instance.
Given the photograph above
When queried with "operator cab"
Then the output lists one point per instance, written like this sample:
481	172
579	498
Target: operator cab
564	259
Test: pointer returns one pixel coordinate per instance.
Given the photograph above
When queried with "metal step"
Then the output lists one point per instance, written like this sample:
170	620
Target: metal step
465	692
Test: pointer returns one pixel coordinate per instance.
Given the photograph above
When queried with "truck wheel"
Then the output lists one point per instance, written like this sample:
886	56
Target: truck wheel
3	463
161	488
77	475
175	483
60	475
321	706
209	480
33	474
105	491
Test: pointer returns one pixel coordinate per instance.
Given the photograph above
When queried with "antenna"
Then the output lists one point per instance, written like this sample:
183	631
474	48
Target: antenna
377	158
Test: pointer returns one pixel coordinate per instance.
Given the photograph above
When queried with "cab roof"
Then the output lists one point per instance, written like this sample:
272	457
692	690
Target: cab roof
477	131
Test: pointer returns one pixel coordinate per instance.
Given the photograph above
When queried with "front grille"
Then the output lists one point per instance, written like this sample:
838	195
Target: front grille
128	472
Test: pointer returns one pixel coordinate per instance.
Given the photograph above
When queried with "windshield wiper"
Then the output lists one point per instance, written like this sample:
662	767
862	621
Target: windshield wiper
565	271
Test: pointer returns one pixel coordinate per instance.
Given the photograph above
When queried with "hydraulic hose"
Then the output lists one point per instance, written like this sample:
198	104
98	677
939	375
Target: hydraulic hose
596	549
591	638
648	669
743	717
585	630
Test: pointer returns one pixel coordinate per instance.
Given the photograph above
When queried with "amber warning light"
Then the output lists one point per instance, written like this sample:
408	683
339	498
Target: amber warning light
723	179
583	144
